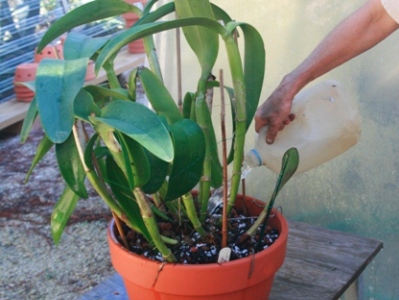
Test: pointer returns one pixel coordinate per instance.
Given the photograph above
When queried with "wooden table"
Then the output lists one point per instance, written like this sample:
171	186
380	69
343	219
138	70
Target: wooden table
320	264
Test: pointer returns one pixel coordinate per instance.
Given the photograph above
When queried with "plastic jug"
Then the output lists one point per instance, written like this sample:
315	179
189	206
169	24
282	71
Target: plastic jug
326	124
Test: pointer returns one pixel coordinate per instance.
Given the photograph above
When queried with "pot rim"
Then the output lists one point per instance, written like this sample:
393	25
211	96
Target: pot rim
283	236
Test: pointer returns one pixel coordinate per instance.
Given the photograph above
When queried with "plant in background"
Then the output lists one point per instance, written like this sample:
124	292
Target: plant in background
132	152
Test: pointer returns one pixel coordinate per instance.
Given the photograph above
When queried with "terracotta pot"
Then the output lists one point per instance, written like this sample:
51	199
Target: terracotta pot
132	15
90	73
24	73
130	19
246	278
138	45
55	52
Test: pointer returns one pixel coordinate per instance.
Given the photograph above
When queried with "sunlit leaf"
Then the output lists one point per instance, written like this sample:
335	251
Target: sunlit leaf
139	123
58	82
62	212
71	167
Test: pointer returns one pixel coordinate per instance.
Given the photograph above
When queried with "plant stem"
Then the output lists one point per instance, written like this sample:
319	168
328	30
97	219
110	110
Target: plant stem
192	214
237	74
95	181
111	76
152	225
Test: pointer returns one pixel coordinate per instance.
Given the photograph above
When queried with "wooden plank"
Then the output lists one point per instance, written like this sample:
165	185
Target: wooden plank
13	111
321	263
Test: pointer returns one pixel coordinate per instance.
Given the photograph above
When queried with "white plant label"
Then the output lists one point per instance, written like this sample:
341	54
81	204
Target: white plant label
224	255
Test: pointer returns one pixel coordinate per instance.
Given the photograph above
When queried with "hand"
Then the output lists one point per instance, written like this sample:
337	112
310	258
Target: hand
275	112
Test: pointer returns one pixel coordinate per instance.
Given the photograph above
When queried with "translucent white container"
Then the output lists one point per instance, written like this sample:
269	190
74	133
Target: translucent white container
326	124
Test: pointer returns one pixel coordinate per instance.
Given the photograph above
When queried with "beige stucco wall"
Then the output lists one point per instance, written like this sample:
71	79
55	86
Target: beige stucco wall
357	192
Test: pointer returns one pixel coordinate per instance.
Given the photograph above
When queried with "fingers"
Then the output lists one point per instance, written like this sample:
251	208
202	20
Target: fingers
272	133
274	128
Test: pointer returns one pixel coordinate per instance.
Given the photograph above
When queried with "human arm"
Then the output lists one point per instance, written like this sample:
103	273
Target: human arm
362	30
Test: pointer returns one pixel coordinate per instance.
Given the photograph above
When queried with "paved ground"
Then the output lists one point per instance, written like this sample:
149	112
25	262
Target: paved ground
31	266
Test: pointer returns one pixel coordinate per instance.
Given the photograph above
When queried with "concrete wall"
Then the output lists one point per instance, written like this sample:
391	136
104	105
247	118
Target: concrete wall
357	192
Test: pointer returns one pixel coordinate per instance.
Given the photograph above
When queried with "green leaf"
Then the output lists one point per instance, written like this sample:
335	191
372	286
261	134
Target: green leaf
29	84
132	84
43	147
188	102
136	164
84	106
204	117
189	144
159	170
99	92
88	154
58	82
220	14
139	123
62	212
254	66
289	165
28	121
71	167
86	13
143	30
159	96
79	45
120	188
203	41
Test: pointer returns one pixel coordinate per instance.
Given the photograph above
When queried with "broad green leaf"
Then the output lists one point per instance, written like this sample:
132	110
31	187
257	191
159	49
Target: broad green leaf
57	84
139	123
159	170
43	147
88	153
203	41
79	45
71	167
62	212
86	13
136	164
120	188
159	96
290	162
254	66
28	121
189	144
99	93
84	106
289	165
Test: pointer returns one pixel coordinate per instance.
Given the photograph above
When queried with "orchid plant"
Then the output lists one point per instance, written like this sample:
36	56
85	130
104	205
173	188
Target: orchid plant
144	162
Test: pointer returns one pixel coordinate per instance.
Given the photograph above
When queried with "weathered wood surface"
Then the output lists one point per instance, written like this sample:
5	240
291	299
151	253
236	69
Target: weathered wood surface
320	265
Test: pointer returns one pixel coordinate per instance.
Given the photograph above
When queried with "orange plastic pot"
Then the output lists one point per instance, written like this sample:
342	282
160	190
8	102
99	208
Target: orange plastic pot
247	278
